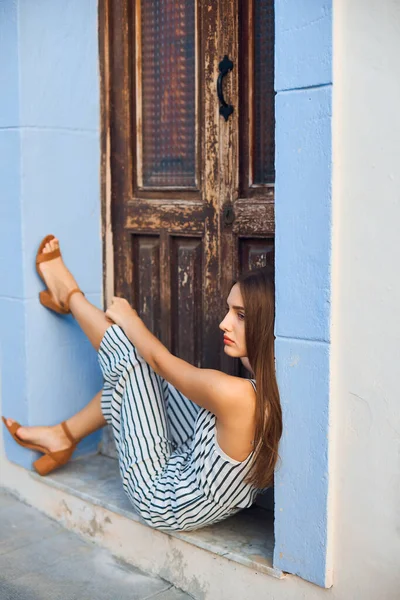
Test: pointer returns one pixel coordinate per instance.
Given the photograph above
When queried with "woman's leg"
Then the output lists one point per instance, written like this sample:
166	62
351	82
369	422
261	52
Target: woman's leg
134	402
182	414
60	282
91	319
94	323
53	437
162	484
87	420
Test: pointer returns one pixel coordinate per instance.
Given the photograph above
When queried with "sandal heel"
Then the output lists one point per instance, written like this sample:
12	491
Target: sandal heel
47	463
47	300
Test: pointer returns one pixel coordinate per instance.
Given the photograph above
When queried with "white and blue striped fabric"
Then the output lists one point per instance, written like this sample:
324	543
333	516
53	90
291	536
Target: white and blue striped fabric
172	468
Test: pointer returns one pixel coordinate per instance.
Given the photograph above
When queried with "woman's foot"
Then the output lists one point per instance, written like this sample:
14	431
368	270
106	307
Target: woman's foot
56	275
52	438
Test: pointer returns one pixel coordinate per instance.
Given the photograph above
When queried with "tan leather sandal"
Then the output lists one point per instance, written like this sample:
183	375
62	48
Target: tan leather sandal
51	460
46	297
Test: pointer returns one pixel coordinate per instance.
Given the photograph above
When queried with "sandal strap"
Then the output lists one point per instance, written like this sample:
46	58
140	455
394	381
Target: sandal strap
66	303
43	257
68	433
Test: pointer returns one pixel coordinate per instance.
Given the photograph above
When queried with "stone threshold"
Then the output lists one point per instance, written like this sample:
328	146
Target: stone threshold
246	538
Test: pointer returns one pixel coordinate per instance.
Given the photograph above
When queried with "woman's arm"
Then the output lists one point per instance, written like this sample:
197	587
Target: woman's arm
221	394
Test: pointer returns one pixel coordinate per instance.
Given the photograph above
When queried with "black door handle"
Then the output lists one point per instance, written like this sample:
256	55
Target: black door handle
225	66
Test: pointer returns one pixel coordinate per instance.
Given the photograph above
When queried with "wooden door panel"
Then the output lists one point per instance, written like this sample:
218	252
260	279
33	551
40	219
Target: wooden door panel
262	166
146	280
176	165
164	214
166	37
186	298
255	253
157	215
247	176
183	271
253	218
257	98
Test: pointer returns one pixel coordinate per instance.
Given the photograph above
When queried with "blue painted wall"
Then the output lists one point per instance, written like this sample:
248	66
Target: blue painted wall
50	173
303	82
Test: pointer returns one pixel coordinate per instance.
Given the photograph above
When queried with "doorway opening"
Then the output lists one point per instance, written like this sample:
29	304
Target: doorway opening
188	183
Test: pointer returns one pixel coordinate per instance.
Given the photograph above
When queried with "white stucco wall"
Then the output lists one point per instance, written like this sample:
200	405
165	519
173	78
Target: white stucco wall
366	299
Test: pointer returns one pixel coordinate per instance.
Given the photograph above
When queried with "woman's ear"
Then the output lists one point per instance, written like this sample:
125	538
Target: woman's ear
246	364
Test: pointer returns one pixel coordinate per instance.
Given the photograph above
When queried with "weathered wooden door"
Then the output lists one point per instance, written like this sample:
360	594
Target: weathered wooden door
191	193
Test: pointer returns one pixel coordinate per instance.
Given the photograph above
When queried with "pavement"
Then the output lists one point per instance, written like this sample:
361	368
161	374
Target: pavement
41	560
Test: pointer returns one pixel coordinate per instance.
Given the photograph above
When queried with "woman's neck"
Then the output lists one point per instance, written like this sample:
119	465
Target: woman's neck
246	364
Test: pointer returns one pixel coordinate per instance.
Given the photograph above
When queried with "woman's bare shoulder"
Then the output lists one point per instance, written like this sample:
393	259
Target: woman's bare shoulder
242	398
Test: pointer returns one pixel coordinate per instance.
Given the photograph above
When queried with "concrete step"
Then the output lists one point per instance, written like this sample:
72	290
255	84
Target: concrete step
40	560
224	561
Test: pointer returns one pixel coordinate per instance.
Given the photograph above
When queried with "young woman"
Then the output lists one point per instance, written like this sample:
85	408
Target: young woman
194	445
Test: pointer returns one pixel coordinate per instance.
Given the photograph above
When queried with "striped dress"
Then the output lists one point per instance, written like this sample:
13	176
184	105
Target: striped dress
172	468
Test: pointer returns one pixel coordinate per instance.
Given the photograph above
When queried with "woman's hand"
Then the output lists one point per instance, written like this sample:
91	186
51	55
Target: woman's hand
121	312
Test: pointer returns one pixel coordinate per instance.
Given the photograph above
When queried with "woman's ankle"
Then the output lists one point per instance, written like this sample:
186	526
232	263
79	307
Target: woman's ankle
62	436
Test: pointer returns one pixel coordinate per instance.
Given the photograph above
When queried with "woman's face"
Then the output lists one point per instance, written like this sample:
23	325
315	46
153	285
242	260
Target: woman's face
233	325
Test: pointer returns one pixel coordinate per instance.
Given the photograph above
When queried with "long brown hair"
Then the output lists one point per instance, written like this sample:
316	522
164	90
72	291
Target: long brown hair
258	293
